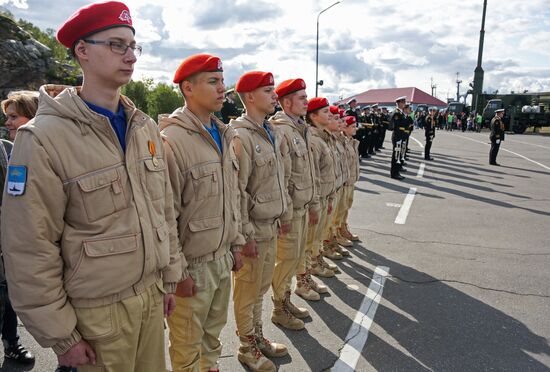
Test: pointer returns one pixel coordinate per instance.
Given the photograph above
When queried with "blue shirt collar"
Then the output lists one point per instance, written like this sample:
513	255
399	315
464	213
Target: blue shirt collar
109	114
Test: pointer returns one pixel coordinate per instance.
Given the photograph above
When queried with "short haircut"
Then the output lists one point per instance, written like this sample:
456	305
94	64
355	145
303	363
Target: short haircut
192	79
25	103
288	96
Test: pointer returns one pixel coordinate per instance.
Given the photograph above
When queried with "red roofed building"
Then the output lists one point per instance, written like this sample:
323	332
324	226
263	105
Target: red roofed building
386	97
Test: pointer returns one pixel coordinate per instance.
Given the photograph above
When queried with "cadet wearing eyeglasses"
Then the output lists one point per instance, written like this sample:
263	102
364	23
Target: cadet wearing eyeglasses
90	247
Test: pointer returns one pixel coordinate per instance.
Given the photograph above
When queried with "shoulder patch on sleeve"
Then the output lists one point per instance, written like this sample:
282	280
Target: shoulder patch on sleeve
17	179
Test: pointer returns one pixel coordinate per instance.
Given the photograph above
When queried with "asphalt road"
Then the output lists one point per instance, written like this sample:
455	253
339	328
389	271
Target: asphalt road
463	281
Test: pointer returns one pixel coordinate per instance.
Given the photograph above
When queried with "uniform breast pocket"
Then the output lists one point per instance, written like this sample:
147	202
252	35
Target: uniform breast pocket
299	150
102	194
155	178
266	166
205	181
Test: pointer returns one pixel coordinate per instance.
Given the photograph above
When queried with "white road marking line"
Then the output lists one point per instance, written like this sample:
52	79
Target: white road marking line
394	205
421	170
359	330
511	152
526	158
406	207
527	143
417	141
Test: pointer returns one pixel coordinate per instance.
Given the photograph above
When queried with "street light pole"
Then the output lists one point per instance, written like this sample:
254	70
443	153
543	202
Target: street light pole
317	49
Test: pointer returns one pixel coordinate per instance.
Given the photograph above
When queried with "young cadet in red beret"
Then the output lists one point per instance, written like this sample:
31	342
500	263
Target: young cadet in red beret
203	170
261	183
306	287
341	207
320	118
91	238
302	203
331	248
352	154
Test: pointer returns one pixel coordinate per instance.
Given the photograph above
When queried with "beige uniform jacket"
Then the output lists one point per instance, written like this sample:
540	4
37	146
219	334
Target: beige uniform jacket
94	225
205	187
339	159
352	155
344	158
261	179
323	157
296	150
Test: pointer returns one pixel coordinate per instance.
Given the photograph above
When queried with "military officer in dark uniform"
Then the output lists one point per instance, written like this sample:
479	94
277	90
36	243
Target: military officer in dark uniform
496	136
375	120
361	134
352	110
410	128
399	122
405	134
429	130
379	128
369	125
385	123
229	109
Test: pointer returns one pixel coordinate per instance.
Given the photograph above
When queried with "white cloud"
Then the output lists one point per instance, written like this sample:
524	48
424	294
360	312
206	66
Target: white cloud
363	44
537	43
21	4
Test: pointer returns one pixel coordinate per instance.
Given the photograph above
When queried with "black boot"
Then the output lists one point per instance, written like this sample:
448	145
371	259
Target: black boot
64	369
18	353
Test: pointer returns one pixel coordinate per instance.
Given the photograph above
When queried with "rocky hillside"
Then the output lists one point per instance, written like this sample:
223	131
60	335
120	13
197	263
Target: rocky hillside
26	63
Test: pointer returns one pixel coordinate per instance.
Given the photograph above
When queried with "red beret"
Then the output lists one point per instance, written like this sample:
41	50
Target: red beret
290	86
316	104
342	112
334	110
350	120
94	18
197	63
253	80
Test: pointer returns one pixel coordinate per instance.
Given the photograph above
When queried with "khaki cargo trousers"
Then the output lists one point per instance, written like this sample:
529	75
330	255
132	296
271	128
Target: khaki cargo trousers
197	322
127	336
314	241
291	248
332	220
347	203
251	283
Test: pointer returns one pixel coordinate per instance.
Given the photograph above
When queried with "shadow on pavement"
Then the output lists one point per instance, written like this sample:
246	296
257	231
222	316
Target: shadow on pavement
11	366
433	326
411	180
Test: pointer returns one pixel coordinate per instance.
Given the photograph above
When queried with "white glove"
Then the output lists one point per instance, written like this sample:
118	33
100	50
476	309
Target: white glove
498	142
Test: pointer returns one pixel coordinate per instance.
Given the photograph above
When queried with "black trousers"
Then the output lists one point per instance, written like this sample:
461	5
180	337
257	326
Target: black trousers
363	147
394	170
381	138
427	148
493	152
371	139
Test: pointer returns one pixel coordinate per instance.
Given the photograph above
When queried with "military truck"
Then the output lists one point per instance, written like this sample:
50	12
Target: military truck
457	108
522	110
421	108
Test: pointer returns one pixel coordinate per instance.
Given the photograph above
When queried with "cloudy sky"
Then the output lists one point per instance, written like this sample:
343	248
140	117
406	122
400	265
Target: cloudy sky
363	44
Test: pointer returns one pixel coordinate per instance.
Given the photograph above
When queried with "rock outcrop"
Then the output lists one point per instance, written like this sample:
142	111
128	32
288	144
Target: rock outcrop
26	63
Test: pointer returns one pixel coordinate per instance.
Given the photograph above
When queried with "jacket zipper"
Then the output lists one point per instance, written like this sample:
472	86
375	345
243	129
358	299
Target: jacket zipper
308	158
273	144
281	186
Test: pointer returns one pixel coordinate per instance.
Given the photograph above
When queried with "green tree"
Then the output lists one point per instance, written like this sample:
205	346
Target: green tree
138	92
163	99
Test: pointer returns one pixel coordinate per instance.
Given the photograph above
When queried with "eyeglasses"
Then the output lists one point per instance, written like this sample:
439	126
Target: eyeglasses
116	46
